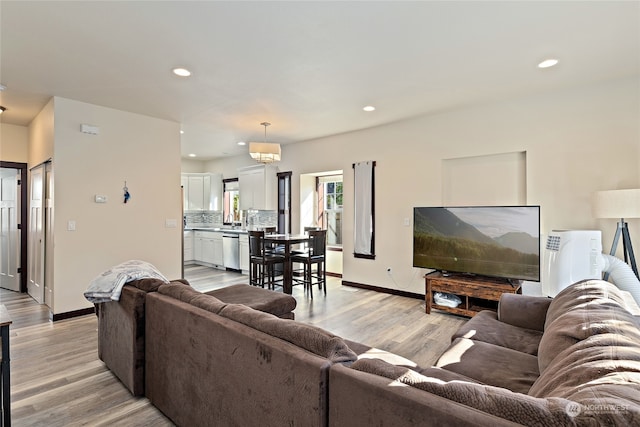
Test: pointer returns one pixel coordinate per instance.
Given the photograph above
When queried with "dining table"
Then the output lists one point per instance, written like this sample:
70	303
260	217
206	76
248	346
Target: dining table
286	241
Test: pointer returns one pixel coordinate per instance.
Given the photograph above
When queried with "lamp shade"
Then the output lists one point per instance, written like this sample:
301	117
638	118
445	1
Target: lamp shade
264	152
616	204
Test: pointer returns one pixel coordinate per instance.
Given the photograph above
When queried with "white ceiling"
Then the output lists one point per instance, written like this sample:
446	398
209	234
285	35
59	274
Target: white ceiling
306	67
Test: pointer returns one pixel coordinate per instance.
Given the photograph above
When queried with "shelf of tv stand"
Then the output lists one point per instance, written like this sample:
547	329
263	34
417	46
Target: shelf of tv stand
476	292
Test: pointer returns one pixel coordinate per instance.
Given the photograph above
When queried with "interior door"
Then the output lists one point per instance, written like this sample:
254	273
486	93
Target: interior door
48	235
9	232
36	238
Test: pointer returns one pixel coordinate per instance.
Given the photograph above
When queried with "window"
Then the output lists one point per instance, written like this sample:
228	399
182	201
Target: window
231	209
330	207
284	202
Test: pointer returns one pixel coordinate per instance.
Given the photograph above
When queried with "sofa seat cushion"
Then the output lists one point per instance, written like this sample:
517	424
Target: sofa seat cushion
516	407
311	338
276	303
364	351
486	327
491	364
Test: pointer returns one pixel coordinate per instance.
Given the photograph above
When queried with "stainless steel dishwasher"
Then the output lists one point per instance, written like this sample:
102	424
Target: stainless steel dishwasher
231	250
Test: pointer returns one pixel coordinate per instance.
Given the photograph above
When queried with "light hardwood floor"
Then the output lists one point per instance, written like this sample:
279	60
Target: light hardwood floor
58	380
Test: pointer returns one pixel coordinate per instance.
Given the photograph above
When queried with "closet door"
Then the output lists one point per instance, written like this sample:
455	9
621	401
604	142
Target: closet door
36	239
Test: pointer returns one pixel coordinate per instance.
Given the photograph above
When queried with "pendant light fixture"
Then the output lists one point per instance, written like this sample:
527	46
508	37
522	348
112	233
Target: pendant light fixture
264	152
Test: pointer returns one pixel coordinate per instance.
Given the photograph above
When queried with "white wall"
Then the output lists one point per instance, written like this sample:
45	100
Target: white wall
14	143
144	152
41	136
577	141
192	166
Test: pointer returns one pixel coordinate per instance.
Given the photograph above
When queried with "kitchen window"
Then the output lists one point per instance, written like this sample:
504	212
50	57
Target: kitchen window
231	205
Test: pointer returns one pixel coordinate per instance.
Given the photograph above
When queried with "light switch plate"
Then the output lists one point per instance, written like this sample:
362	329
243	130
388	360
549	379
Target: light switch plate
101	198
71	225
171	223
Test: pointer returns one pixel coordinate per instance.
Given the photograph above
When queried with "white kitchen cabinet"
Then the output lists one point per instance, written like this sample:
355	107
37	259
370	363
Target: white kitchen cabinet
207	248
258	187
244	253
184	182
197	247
217	249
195	193
202	191
188	246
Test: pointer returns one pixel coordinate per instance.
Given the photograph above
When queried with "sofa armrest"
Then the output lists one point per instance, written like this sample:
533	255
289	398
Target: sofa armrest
524	311
121	338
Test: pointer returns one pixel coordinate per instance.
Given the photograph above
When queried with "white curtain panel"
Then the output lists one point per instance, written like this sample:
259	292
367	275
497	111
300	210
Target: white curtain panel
363	206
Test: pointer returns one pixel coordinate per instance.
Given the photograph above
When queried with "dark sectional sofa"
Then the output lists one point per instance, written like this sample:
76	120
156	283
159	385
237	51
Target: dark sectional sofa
573	360
121	325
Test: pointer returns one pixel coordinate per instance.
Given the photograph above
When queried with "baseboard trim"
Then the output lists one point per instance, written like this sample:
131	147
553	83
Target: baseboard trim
383	290
71	314
334	274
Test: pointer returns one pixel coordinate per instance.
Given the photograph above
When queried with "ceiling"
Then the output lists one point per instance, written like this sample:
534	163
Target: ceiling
306	67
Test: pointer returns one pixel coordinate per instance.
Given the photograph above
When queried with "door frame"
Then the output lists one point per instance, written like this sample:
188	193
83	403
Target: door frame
22	167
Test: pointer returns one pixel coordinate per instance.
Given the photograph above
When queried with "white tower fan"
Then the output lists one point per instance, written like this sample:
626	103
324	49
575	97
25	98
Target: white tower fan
570	256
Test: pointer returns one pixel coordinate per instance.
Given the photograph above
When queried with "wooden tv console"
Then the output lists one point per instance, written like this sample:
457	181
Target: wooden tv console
476	292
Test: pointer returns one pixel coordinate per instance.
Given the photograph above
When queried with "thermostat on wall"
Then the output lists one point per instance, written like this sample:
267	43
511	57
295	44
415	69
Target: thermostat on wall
90	129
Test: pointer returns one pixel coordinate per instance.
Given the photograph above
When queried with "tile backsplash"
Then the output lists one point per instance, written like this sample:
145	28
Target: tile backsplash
203	218
253	219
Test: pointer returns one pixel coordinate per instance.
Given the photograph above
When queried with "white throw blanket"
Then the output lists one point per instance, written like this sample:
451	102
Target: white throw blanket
108	286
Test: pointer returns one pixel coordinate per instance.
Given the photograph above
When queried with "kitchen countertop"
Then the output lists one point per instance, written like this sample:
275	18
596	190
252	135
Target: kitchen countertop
220	229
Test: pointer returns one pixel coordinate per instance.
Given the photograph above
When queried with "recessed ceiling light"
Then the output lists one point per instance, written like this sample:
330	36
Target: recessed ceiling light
242	143
547	63
182	72
2	87
181	132
192	155
369	108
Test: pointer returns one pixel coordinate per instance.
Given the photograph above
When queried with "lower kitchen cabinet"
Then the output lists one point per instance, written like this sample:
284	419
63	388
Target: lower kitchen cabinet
188	246
207	248
217	249
244	253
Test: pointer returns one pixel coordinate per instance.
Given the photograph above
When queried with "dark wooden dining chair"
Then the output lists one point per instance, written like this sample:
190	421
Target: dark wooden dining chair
316	254
304	248
262	263
272	247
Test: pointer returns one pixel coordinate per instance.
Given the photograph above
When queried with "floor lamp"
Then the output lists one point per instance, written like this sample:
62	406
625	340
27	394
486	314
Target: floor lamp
619	204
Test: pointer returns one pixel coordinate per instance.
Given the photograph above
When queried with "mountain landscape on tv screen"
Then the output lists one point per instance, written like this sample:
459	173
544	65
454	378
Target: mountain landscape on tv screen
443	241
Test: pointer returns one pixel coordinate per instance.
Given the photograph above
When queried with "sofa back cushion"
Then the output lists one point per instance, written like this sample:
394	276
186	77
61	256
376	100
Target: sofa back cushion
191	296
516	407
311	338
579	312
590	354
580	295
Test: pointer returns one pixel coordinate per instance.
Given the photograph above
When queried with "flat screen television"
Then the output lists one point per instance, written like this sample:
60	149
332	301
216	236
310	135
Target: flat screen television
495	241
